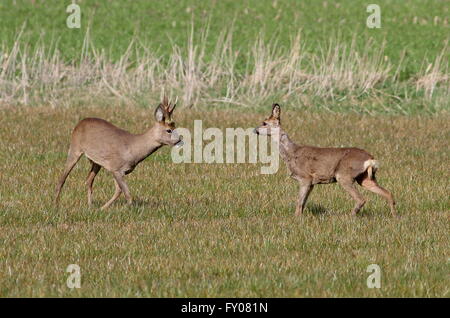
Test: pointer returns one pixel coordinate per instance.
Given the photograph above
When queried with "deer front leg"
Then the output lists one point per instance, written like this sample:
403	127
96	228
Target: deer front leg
116	194
123	186
305	189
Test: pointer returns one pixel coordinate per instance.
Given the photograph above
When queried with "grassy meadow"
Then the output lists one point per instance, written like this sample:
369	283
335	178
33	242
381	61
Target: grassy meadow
224	230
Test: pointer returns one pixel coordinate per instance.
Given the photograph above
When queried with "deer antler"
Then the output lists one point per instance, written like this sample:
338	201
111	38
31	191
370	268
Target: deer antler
167	108
173	106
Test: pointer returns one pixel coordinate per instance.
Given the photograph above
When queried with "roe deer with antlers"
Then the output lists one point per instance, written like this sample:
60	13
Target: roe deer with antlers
314	165
117	150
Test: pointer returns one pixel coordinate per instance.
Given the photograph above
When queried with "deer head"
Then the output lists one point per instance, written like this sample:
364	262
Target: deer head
165	127
270	123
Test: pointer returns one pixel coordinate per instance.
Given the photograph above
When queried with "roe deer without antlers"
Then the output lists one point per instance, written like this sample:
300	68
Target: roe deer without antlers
117	150
314	165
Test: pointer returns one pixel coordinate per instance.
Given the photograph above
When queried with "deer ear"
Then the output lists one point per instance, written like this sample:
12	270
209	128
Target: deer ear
159	114
276	110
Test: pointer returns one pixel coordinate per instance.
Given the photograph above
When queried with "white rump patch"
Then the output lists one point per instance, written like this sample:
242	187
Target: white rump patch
371	163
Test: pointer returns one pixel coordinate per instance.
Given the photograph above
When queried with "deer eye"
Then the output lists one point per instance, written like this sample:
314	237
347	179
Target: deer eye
169	131
264	124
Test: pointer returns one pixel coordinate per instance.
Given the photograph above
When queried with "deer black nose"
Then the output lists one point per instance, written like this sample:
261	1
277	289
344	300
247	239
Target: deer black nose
256	131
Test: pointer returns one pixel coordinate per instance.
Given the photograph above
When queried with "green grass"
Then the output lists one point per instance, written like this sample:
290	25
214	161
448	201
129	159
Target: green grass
223	230
314	54
408	26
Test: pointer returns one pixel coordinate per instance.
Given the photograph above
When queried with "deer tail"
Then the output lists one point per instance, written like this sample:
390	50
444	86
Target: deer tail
371	166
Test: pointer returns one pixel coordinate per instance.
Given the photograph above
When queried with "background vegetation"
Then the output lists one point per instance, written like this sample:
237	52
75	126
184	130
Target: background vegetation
317	55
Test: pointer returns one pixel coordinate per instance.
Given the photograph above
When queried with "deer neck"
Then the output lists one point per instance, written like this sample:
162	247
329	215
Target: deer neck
145	144
287	146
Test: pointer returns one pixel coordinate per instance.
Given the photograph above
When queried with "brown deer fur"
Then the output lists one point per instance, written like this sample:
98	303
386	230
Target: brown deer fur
315	165
117	150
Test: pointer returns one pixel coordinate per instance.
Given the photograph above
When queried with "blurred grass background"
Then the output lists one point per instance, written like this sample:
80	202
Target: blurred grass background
420	27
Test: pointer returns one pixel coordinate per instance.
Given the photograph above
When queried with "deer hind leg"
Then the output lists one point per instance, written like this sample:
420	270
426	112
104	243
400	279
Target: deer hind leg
72	159
305	190
116	194
349	186
95	168
372	185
